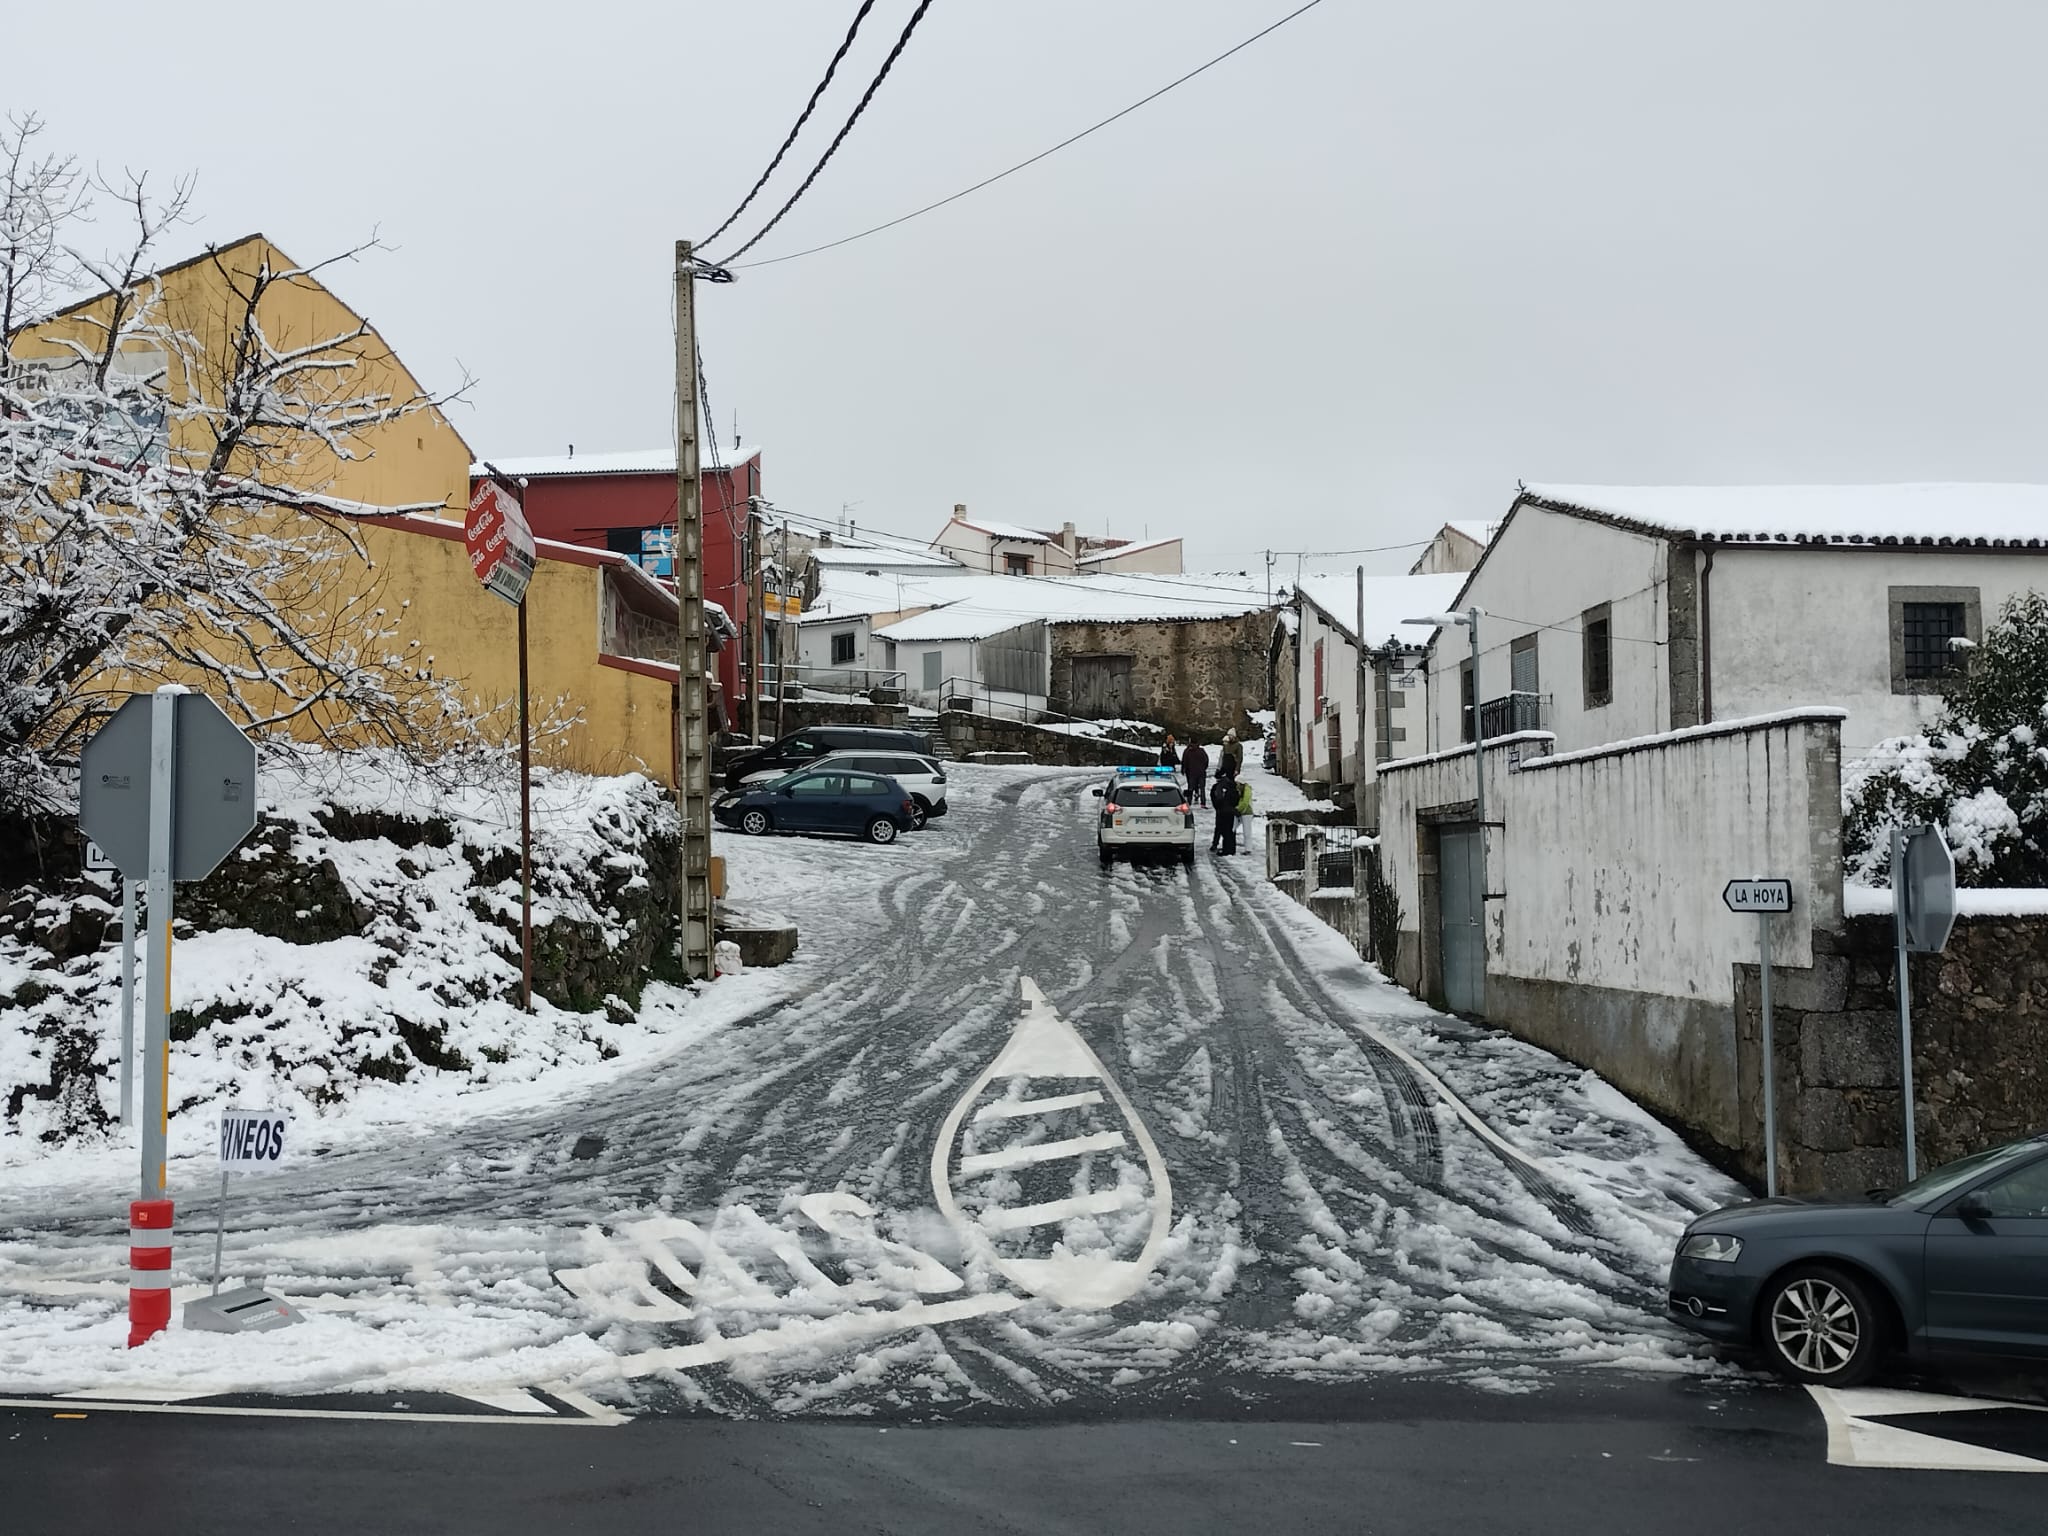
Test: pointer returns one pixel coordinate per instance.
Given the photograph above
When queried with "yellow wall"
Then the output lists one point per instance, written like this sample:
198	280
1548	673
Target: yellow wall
470	637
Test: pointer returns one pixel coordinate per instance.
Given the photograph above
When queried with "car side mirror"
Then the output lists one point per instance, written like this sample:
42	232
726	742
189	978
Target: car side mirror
1973	1207
1096	791
785	791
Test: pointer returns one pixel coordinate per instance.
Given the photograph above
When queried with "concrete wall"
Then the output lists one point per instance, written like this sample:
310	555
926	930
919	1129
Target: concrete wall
1196	677
1606	937
1542	573
1790	626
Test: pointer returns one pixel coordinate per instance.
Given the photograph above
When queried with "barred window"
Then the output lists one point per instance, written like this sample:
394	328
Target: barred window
1929	627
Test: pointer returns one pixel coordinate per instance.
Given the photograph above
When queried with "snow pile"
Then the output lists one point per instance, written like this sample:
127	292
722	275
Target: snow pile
366	936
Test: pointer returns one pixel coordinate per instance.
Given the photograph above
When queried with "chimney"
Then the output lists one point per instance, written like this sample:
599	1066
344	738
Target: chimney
959	511
572	450
1068	540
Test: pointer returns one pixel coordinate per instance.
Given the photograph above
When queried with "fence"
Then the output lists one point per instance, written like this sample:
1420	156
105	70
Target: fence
795	679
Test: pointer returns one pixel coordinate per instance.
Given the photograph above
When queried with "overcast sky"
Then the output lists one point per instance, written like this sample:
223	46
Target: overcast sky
1358	279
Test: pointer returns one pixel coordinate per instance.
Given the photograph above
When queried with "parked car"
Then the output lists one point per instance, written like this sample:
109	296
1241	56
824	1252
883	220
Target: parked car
1269	752
863	805
924	777
1145	810
787	753
1954	1264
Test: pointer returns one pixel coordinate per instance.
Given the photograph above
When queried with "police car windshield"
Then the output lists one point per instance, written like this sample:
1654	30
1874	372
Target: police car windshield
1146	794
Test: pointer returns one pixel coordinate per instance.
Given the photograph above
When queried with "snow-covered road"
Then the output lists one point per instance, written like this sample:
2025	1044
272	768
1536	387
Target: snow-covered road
1248	1167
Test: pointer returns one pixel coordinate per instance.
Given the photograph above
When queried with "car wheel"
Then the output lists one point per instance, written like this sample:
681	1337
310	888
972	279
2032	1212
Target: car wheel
920	812
1821	1326
755	822
881	830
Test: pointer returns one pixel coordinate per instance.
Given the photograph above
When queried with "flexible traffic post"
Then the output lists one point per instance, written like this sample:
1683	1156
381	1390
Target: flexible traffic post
149	1269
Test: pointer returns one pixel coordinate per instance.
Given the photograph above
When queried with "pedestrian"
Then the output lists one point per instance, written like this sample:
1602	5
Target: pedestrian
1194	763
1169	754
1223	795
1233	755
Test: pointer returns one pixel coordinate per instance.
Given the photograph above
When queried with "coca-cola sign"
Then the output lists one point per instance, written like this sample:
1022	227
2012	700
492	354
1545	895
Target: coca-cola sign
500	544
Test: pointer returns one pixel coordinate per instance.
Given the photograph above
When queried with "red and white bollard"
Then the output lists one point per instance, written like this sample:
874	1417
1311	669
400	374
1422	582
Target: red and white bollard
149	1269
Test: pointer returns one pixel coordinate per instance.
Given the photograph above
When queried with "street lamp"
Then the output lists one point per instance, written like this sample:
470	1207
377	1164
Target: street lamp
1470	620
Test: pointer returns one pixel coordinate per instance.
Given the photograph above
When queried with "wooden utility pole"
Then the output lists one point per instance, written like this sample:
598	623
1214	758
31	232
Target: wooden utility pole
757	619
693	702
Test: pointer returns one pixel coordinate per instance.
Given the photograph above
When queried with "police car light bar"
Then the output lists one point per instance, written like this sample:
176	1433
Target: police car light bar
1129	772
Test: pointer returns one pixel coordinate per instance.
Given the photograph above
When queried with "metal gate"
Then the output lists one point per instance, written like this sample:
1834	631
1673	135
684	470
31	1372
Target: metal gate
1101	687
1461	912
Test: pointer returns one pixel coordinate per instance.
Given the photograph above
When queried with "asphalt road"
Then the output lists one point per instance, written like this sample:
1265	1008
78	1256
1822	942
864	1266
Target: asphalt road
1619	1456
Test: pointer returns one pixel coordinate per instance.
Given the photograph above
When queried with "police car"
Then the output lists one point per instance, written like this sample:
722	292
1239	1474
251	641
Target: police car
1145	810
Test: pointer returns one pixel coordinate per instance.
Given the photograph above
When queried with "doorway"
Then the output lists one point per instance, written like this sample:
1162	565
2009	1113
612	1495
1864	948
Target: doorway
1461	916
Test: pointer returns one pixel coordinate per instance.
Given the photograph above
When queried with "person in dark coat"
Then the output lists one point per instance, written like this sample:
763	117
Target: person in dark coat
1223	795
1194	766
1169	754
1233	756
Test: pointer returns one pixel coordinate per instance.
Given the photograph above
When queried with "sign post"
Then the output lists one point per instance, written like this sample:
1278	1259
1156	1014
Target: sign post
1923	916
249	1138
501	552
1763	897
167	789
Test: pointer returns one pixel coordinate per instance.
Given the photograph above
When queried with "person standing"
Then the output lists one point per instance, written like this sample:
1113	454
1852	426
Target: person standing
1169	754
1223	795
1233	756
1194	764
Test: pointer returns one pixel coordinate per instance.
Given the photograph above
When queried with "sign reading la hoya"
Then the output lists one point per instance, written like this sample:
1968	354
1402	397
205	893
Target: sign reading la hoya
1758	895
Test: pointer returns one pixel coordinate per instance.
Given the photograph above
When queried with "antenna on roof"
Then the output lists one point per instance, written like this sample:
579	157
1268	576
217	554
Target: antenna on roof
572	450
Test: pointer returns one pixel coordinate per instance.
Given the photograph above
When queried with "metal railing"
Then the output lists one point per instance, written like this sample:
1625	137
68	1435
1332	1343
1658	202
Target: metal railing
1004	704
794	678
1334	869
1511	713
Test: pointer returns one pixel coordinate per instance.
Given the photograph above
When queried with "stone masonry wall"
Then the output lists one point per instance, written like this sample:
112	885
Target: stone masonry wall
1193	676
1980	1052
966	733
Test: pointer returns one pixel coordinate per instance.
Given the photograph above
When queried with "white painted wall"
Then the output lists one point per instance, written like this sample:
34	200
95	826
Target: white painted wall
1157	559
1791	627
980	551
1542	573
814	642
1340	688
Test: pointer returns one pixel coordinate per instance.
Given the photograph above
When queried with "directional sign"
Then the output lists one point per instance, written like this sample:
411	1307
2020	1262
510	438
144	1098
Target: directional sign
213	803
1758	895
251	1138
501	549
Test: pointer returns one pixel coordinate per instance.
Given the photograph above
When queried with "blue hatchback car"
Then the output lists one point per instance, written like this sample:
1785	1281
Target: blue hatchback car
828	799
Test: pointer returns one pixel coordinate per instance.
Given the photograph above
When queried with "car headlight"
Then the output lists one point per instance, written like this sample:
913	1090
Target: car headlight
1711	1248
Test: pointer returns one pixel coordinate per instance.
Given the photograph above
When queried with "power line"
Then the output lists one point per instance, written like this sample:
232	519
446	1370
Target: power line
770	261
839	138
802	118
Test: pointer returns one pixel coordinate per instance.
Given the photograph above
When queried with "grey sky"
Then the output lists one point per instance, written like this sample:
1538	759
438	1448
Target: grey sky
1356	280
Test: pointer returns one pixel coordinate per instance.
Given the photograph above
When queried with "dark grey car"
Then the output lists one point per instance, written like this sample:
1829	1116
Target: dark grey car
1954	1264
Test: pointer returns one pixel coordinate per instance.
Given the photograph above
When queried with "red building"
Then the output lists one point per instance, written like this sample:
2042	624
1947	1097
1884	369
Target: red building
626	502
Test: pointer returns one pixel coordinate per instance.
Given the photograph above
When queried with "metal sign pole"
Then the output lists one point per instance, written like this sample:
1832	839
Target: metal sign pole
1900	892
156	1013
127	1001
1763	929
220	1224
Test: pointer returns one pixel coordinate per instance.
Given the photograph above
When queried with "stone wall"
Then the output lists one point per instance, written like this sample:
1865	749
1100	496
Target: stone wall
1980	1052
801	714
1196	677
964	733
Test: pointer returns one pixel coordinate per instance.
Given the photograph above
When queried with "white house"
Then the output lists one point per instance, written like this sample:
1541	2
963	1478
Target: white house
1003	549
1614	612
1456	547
1104	557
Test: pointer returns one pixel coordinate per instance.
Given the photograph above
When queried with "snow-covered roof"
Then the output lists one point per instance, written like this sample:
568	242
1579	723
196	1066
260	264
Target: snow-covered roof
1937	515
640	461
1015	532
884	557
1478	530
1388	601
1114	550
975	607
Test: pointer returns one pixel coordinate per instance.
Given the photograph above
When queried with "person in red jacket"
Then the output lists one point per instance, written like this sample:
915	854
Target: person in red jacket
1194	766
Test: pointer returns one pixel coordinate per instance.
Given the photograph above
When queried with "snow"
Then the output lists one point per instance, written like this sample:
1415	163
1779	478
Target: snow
859	557
1808	714
643	461
1841	514
1012	532
1136	546
1876	901
975	607
1389	601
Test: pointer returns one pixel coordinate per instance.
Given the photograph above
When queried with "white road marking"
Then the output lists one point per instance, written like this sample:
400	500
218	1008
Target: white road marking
1855	1441
136	1394
1040	1152
221	1411
1006	1109
1100	1203
507	1400
804	1333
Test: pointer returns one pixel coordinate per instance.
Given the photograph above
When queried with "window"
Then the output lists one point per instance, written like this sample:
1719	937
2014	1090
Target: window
1146	794
934	670
842	649
1925	623
1596	632
1522	665
1468	701
623	541
1016	565
862	784
819	785
2023	1193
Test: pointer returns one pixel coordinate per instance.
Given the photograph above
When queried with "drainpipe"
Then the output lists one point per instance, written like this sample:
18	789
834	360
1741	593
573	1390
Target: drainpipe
1707	636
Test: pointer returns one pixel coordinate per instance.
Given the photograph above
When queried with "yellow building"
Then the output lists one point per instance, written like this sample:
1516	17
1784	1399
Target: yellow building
394	579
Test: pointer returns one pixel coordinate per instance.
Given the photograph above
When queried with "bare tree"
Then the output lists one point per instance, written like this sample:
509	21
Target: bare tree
165	506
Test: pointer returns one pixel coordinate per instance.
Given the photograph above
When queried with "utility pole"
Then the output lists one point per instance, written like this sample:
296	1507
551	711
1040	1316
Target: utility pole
693	704
757	629
1269	578
782	628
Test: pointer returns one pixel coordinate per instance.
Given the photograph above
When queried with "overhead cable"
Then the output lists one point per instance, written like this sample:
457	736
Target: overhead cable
839	138
769	261
802	118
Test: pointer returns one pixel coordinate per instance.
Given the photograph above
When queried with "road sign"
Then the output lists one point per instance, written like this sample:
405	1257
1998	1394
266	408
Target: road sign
1758	895
251	1138
1924	890
501	548
213	801
96	862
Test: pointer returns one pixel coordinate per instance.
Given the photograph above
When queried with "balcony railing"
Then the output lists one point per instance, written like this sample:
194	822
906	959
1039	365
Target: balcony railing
1511	713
